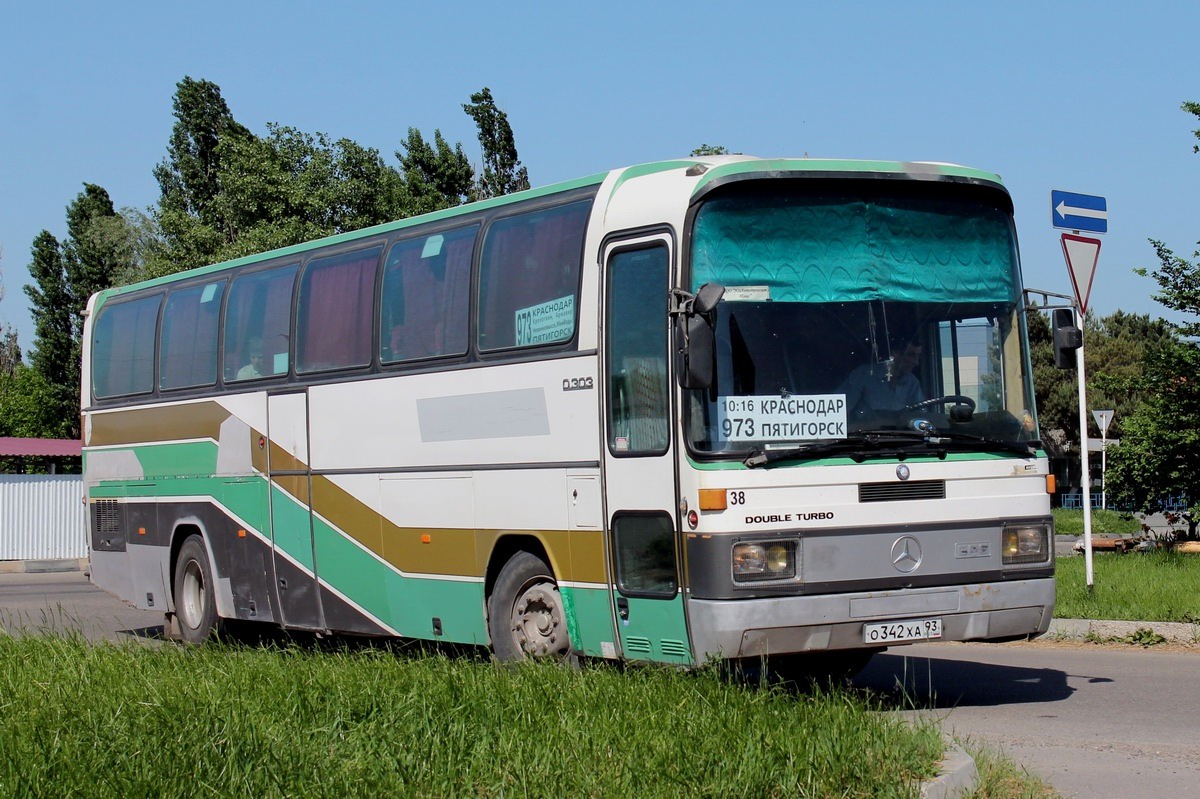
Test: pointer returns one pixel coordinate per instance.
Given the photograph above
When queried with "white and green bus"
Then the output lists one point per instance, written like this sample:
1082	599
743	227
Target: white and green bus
717	407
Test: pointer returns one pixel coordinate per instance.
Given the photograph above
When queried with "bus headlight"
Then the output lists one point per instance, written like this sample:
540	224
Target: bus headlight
1026	543
764	560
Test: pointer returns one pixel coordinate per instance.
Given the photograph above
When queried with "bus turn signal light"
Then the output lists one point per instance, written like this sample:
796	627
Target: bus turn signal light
713	499
1050	486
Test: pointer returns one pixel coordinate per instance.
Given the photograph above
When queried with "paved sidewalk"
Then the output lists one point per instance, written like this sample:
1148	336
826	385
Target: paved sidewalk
43	566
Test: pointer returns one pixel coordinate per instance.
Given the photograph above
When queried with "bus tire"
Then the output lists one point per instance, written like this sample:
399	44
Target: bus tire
195	601
526	616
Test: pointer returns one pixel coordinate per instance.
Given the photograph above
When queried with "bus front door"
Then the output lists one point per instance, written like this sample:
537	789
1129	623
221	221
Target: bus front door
291	513
639	459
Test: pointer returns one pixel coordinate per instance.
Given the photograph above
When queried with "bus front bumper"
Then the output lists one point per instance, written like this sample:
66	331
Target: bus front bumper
779	625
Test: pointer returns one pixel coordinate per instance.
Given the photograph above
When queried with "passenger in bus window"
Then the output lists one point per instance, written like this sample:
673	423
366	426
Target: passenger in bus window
254	368
886	386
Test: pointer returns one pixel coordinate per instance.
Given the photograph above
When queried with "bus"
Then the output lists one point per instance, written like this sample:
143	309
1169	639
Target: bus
713	408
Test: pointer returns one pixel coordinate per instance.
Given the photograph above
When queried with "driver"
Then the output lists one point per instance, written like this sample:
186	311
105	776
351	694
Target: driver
886	386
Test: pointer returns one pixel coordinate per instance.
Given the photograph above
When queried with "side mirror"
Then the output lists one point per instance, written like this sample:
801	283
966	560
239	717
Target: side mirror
707	298
695	339
696	355
1067	339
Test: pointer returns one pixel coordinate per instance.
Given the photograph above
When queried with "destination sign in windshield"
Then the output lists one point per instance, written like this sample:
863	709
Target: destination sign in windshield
778	418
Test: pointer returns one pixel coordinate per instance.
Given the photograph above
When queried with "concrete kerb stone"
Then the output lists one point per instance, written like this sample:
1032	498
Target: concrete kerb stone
957	777
1081	629
43	566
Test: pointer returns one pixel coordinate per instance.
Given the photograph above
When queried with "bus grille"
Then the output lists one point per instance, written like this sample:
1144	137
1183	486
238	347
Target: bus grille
107	516
897	492
675	649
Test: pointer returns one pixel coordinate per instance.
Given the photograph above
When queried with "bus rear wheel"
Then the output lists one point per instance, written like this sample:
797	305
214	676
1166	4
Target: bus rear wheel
195	602
526	616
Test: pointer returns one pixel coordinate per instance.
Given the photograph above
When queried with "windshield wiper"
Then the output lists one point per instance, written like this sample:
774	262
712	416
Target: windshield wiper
890	443
1026	449
859	447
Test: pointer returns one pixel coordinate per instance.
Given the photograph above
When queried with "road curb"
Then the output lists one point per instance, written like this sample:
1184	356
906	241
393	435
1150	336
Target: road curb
957	777
1082	629
43	566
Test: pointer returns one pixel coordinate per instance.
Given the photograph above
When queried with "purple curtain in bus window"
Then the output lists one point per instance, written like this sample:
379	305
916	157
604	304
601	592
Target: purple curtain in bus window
434	299
336	309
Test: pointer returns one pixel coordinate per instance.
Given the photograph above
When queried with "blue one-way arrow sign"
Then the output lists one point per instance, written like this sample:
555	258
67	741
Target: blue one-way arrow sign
1071	211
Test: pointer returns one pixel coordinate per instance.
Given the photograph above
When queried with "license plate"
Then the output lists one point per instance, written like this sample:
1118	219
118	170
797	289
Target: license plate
910	630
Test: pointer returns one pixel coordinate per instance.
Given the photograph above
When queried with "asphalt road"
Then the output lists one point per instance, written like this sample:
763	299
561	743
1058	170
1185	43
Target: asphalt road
1093	721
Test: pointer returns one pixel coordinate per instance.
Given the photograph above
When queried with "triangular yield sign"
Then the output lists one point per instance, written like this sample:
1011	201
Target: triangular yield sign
1081	253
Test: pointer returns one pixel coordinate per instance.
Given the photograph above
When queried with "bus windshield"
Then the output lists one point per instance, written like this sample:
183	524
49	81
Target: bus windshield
881	311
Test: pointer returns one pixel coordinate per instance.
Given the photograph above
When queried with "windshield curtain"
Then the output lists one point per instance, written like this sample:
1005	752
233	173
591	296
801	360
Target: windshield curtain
851	312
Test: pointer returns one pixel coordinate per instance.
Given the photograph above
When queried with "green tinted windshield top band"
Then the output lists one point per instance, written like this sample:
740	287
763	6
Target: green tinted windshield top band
365	233
853	248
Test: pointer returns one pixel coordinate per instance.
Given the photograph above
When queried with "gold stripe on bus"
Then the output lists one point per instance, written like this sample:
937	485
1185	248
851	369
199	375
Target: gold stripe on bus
152	425
578	556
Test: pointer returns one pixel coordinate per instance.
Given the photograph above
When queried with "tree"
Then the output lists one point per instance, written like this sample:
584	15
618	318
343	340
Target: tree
1159	454
709	149
1115	347
502	170
10	350
189	211
437	176
50	307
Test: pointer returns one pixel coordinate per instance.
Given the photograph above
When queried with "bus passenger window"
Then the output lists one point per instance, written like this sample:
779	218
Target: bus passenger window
258	318
334	315
426	290
187	352
123	347
529	277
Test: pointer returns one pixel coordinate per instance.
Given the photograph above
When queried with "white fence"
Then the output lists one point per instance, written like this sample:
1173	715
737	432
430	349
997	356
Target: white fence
42	517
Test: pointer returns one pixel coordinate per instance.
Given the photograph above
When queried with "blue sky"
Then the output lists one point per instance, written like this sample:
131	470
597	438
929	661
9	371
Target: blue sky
1051	96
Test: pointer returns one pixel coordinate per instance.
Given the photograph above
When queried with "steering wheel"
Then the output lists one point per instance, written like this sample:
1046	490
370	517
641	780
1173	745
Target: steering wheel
949	399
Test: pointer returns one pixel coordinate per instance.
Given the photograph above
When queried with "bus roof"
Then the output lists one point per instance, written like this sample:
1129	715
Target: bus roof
716	169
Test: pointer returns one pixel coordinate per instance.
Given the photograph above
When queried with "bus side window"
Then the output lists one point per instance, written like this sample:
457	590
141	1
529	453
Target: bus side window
187	348
529	277
426	291
335	312
123	347
258	318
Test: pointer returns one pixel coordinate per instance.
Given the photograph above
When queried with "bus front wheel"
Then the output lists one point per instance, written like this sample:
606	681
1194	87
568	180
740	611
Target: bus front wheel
526	617
195	603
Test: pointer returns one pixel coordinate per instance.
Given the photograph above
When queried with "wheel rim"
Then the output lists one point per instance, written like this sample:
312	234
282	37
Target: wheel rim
194	600
538	621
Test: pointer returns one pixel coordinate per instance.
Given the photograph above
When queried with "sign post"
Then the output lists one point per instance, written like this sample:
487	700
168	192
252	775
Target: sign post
1103	418
1081	212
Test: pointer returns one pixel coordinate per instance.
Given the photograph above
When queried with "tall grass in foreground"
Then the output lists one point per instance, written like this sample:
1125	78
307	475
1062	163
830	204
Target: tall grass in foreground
78	719
1154	586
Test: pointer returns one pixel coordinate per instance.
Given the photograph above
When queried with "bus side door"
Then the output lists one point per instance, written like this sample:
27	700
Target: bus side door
639	462
288	465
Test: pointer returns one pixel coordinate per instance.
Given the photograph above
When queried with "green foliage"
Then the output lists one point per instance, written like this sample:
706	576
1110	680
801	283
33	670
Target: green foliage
502	170
1115	347
50	305
1151	586
709	149
30	405
94	720
438	175
1069	521
1158	455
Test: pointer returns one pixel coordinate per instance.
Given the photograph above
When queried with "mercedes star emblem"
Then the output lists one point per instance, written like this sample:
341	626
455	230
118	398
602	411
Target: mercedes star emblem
906	554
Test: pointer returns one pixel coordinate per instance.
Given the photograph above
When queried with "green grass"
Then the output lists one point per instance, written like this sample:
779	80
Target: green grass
1155	586
1070	522
999	777
217	720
